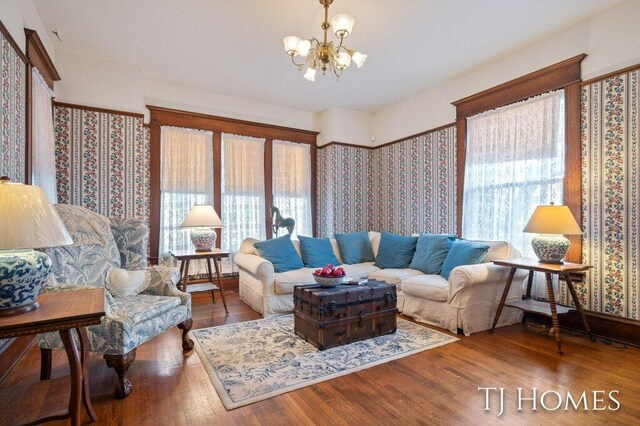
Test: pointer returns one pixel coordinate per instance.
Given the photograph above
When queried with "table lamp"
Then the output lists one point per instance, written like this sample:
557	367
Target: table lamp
27	221
202	218
551	222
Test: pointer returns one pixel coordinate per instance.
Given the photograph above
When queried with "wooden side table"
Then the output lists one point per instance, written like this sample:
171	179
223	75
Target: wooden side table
63	312
550	308
186	284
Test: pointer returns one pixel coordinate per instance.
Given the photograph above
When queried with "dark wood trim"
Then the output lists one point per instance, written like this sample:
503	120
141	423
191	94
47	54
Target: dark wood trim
5	32
28	131
39	58
173	117
96	109
268	187
217	181
154	193
562	75
147	125
610	74
350	145
12	351
314	194
611	327
544	80
572	188
461	155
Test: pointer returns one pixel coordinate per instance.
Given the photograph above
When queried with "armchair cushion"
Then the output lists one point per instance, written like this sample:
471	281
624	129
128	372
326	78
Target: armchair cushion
131	236
142	307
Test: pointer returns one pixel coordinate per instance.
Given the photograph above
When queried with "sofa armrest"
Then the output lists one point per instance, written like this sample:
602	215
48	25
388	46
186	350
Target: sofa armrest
257	266
481	274
164	282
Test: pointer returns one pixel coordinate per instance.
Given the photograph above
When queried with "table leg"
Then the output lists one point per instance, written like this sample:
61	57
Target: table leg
219	276
529	285
182	277
503	299
213	293
576	301
186	275
554	312
84	357
75	399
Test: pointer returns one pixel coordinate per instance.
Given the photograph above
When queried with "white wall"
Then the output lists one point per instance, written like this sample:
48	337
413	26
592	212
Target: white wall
611	39
17	15
345	125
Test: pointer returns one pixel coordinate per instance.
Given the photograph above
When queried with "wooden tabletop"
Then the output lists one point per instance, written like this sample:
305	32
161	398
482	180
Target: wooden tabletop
536	265
58	310
192	254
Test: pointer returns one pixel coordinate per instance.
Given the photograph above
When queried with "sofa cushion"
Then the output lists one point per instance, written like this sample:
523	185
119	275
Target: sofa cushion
393	276
355	247
395	251
463	252
431	287
281	253
317	252
431	250
285	281
142	307
360	270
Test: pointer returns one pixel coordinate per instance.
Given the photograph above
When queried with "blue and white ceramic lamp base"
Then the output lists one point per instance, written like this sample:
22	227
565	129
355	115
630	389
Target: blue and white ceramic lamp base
203	239
550	248
23	274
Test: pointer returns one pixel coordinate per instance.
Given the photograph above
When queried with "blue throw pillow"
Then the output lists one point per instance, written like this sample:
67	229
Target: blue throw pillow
317	252
463	252
281	252
395	251
431	251
355	247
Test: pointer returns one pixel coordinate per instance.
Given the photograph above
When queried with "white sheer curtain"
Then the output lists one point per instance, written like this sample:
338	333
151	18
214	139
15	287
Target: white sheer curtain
43	154
243	190
186	179
514	162
292	183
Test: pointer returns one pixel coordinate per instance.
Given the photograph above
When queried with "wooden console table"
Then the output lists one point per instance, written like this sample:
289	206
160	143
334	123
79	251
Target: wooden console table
61	311
550	308
187	285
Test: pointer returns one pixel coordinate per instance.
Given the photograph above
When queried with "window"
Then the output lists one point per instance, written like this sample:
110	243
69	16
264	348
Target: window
515	161
186	179
243	190
43	154
292	183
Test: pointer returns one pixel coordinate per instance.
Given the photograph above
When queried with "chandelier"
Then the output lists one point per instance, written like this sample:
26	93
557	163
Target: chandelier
323	55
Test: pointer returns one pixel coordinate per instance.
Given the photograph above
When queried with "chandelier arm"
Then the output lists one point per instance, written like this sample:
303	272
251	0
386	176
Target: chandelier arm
299	66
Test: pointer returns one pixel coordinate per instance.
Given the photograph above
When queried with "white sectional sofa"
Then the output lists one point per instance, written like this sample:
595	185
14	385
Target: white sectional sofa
467	301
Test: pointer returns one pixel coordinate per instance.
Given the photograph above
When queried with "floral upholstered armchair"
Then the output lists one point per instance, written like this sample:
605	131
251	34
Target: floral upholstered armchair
100	244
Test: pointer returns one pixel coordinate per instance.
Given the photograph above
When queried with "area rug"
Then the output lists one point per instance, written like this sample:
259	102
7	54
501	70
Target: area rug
255	360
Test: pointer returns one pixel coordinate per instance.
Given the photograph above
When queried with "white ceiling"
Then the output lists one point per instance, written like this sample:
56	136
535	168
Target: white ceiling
234	47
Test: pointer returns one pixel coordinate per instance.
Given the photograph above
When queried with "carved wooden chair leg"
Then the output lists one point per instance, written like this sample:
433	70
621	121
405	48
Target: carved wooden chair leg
121	364
45	364
187	343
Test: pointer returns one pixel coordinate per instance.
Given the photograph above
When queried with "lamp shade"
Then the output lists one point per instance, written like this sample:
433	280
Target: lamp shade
28	219
550	219
202	216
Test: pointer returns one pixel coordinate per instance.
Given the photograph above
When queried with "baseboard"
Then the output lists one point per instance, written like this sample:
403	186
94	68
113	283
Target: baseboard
612	327
12	351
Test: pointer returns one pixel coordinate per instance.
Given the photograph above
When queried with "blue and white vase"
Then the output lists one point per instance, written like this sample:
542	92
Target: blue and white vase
550	248
203	239
23	274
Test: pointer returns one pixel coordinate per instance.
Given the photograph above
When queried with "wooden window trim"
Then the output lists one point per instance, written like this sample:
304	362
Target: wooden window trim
562	75
160	116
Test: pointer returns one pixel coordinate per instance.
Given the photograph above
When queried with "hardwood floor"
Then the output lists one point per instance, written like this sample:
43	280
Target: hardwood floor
439	386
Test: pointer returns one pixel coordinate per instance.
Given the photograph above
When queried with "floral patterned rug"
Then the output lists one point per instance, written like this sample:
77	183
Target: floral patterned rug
255	360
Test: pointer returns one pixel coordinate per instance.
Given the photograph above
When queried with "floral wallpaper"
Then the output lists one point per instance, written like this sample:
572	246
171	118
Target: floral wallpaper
610	183
102	161
413	184
342	189
405	187
12	112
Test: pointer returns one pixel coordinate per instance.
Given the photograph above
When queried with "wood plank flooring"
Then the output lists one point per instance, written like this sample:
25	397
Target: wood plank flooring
439	386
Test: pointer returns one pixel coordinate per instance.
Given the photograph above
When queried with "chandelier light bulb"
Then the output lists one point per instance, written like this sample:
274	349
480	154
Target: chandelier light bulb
290	44
310	75
343	60
303	47
359	59
342	24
